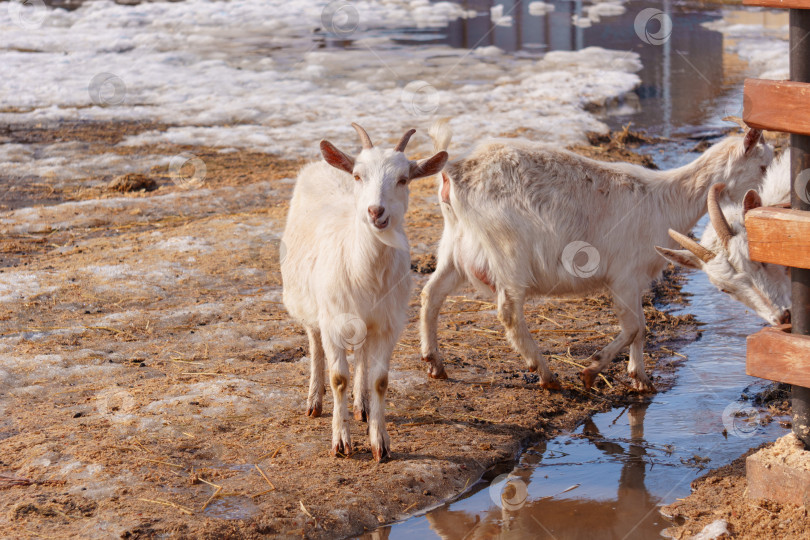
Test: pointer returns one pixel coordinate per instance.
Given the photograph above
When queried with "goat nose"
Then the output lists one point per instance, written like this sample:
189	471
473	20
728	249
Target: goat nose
375	212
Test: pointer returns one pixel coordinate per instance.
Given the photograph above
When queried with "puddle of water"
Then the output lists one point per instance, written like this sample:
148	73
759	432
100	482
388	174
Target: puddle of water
682	79
685	70
236	507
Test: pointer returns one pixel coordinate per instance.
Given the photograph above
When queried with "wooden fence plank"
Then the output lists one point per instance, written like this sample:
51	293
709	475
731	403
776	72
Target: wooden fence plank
792	4
777	355
777	105
779	236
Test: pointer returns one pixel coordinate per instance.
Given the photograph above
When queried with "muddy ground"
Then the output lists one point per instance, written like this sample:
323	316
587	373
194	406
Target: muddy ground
151	382
721	495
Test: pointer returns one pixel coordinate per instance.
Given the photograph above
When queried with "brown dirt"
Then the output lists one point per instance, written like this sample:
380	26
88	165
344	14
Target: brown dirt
618	145
721	494
147	364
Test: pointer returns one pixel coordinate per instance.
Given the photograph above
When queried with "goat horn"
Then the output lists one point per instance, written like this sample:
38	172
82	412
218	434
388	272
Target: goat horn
721	226
403	142
364	138
699	251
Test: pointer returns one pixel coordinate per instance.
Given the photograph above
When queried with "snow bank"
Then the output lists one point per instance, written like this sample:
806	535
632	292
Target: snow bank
766	49
66	161
254	74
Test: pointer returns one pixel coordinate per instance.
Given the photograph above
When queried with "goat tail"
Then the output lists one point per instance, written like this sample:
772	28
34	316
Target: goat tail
441	134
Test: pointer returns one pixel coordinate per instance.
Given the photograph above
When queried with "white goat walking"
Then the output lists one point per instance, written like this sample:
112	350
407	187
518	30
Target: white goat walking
520	218
346	272
723	249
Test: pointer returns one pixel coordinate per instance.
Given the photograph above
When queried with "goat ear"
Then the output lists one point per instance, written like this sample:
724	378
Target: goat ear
752	137
429	167
752	200
679	257
336	158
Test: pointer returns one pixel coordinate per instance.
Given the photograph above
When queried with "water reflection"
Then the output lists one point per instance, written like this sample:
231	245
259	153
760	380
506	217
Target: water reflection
550	31
630	512
678	76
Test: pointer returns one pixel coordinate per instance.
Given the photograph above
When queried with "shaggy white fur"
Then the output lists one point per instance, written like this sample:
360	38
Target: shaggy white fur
763	287
523	218
346	272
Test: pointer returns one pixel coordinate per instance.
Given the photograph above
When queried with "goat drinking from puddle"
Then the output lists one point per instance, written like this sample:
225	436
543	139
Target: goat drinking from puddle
723	249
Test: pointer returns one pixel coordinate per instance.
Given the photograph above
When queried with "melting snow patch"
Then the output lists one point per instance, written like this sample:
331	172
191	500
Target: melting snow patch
765	49
217	397
713	530
61	161
202	66
183	244
20	286
538	9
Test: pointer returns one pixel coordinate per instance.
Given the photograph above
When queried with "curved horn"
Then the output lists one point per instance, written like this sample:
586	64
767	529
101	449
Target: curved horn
687	243
403	142
364	138
721	226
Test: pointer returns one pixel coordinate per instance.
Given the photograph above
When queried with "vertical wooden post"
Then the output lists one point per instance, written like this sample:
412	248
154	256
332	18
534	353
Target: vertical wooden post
800	161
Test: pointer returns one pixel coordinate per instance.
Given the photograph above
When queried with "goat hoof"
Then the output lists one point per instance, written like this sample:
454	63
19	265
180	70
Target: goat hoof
642	386
314	411
380	453
360	415
587	377
553	384
437	374
342	449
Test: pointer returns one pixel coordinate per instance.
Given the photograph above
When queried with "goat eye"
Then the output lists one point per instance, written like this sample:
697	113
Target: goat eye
403	181
725	291
357	177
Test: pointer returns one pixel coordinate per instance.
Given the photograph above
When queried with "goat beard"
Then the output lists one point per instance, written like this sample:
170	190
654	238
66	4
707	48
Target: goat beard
394	239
